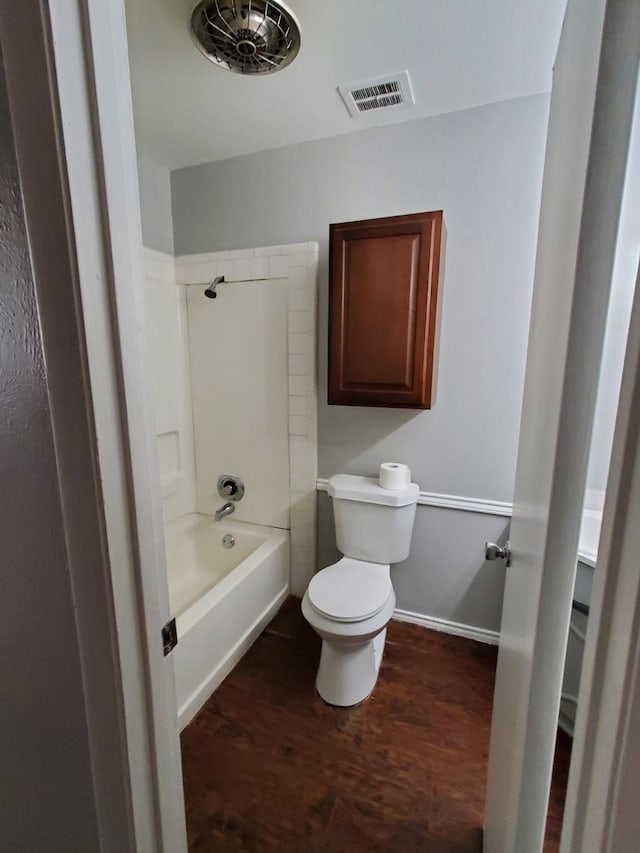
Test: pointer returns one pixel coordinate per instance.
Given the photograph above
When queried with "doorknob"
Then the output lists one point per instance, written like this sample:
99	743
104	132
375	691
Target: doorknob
496	552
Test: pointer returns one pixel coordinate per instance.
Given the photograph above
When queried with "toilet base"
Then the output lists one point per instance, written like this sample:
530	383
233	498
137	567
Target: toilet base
348	673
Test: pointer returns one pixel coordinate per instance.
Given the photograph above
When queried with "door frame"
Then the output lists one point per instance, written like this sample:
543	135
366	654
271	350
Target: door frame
67	71
601	812
591	116
73	121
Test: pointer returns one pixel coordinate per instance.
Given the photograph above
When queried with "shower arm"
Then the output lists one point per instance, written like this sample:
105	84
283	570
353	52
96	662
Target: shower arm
210	288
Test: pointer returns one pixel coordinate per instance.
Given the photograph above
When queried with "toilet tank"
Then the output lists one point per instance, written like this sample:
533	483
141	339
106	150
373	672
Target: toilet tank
373	523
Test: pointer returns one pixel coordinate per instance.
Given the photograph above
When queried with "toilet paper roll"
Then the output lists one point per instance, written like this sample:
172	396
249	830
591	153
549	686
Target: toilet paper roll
394	475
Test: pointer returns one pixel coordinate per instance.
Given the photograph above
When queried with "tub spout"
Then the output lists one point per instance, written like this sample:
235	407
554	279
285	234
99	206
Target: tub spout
224	510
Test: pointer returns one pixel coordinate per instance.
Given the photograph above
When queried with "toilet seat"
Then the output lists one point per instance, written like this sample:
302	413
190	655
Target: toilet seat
350	590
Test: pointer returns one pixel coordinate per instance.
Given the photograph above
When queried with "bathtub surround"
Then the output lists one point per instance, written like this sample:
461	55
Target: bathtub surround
167	340
238	350
198	393
291	273
235	392
483	167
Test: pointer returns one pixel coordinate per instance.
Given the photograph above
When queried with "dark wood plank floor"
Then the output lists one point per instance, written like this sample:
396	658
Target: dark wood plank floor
268	767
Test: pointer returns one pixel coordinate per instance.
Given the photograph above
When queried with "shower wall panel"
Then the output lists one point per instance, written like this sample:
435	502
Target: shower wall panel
238	348
253	361
167	340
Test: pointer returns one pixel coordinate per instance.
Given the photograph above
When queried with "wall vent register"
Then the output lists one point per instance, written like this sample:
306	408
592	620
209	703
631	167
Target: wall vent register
382	93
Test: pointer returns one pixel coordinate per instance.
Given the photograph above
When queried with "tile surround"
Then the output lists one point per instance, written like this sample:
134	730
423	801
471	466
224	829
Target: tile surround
298	263
167	350
159	266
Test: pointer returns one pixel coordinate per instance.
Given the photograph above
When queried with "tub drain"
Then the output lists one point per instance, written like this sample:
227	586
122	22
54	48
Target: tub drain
228	541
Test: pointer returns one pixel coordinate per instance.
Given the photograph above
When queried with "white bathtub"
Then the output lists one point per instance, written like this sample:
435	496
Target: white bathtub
221	598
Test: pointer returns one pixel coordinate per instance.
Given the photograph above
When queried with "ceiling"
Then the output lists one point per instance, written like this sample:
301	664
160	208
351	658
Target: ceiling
459	54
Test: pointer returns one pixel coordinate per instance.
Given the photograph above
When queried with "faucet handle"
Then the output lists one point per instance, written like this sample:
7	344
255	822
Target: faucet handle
230	486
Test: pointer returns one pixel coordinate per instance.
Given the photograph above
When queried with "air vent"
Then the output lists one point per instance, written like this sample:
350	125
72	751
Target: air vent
383	93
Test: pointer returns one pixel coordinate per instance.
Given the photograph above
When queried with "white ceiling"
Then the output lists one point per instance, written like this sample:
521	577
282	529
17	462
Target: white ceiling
459	54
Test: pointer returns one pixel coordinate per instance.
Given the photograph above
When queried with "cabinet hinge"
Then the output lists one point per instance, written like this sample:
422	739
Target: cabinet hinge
169	637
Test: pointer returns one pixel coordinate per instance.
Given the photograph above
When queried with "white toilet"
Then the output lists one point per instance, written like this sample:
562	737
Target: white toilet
350	602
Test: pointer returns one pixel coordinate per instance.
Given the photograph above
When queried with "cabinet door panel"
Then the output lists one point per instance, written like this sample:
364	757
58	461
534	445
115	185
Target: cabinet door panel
383	306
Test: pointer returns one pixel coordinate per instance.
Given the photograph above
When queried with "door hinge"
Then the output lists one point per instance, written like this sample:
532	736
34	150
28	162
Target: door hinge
169	637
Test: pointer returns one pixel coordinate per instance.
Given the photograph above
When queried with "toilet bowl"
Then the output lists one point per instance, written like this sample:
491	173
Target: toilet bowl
352	627
350	603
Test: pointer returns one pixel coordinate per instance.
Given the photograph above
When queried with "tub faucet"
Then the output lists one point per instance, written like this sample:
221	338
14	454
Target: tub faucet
224	510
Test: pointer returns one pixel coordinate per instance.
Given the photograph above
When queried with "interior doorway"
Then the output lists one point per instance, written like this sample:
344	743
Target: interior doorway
107	245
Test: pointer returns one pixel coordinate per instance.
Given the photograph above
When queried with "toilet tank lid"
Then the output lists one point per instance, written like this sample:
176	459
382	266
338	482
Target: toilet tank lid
349	487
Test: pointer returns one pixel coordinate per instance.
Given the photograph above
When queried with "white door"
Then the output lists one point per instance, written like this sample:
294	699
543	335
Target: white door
589	127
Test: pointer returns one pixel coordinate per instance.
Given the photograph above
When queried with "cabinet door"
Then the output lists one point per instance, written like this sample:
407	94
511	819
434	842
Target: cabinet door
383	310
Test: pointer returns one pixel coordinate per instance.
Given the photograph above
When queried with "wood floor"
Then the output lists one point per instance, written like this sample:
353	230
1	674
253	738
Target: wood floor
268	767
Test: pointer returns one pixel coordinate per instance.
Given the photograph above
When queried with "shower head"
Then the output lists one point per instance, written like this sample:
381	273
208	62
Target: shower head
210	290
252	37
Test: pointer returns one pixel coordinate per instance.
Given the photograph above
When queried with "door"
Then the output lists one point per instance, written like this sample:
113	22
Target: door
589	128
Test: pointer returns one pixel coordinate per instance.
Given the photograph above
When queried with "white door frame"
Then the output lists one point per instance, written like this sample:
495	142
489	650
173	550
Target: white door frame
601	812
67	72
592	106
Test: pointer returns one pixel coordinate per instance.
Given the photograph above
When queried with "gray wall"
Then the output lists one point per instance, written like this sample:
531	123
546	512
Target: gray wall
445	575
155	205
483	167
47	791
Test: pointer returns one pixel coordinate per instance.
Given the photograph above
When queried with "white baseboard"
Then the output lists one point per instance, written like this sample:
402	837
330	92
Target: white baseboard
480	635
197	699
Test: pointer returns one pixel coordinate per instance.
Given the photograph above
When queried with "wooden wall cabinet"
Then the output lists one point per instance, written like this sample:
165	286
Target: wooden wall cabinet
384	299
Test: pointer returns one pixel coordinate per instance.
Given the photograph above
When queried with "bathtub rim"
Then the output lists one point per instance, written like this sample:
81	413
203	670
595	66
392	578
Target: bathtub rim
196	611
